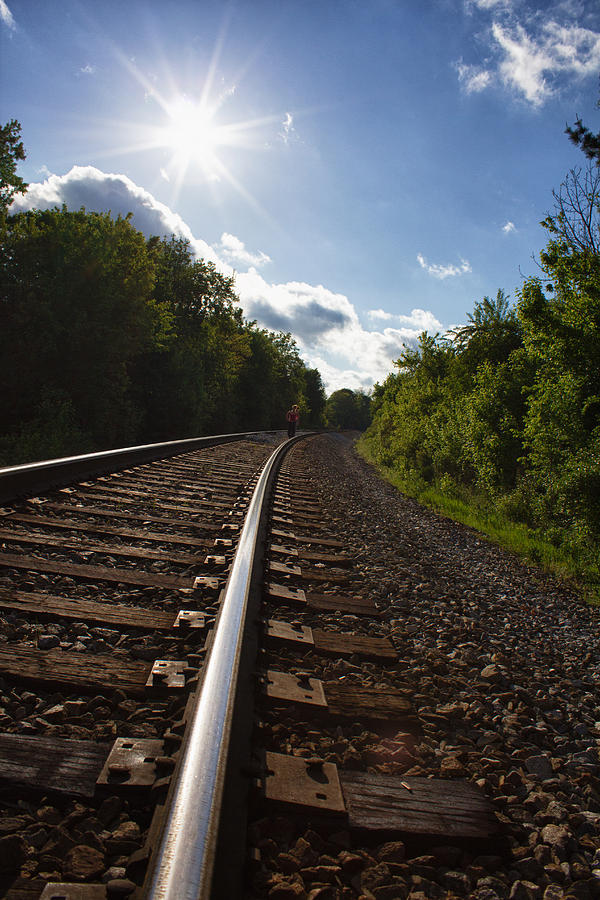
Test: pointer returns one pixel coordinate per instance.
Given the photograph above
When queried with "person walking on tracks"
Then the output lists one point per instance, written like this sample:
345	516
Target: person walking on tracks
293	415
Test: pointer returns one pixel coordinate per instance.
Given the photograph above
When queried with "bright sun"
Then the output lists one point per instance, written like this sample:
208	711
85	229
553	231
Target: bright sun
193	134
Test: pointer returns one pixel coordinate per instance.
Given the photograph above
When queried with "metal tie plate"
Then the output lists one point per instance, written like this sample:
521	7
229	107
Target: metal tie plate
215	562
131	763
309	783
296	634
294	688
283	592
167	673
206	583
283	569
189	618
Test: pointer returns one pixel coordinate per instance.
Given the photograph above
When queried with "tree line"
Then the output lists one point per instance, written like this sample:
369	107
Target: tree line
507	407
108	338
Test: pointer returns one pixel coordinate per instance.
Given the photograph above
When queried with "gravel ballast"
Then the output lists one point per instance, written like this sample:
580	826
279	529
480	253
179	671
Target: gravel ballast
503	664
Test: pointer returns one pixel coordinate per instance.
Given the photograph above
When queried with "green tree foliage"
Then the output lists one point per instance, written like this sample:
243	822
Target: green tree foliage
11	150
492	332
561	325
190	381
509	404
75	311
348	409
586	140
313	413
106	339
412	410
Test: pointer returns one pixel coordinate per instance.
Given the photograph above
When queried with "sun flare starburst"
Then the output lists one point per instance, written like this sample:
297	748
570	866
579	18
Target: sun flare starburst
193	135
199	135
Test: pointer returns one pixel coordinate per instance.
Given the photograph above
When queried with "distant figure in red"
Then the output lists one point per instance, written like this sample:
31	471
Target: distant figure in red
292	417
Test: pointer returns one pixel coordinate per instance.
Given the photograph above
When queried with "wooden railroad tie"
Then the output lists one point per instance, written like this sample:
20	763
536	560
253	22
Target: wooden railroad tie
339	699
330	643
141	518
93	673
135	534
363	802
43	605
82	768
306	539
292	571
404	805
356	606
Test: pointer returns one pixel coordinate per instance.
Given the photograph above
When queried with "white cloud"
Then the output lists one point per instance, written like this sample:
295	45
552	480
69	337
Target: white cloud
447	271
103	192
164	174
573	49
6	16
335	379
510	226
419	319
473	78
324	323
288	132
488	4
88	70
234	250
524	63
379	314
309	311
328	331
531	56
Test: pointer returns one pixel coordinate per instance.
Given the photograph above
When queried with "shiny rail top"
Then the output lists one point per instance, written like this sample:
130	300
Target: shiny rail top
186	855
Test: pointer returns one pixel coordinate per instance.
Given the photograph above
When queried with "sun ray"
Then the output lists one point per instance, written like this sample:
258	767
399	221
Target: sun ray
189	130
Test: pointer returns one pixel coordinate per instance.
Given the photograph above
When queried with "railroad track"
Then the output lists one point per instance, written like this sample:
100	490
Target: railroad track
193	681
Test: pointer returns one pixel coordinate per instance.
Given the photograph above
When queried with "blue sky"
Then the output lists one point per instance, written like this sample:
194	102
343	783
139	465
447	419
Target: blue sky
368	169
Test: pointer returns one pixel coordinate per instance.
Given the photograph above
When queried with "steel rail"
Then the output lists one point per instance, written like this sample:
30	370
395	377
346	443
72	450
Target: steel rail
32	478
185	857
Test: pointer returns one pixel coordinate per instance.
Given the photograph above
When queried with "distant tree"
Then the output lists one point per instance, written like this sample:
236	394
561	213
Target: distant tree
11	150
575	222
348	409
430	357
585	139
188	386
315	398
492	332
107	338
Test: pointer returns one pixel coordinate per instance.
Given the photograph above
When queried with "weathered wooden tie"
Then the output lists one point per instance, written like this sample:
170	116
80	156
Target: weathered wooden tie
390	804
334	643
77	670
356	606
95	573
47	605
337	699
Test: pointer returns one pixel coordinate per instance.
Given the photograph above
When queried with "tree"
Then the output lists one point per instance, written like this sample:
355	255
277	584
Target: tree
586	140
192	287
314	394
492	334
348	409
75	312
11	150
576	218
560	315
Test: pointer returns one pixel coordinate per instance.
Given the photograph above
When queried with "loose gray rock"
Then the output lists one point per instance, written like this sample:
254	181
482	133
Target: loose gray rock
48	641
